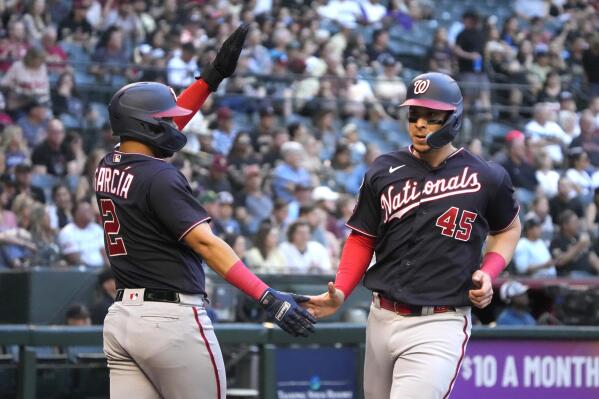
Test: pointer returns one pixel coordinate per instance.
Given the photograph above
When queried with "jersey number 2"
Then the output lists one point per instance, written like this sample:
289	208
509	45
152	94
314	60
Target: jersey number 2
460	230
112	226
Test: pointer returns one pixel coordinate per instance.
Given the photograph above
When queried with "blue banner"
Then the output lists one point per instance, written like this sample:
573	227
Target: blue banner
316	373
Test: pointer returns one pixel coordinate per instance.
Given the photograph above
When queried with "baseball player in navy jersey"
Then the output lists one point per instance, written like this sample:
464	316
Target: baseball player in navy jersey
158	339
426	212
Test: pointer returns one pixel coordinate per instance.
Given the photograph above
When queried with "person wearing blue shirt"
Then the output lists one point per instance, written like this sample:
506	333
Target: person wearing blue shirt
517	312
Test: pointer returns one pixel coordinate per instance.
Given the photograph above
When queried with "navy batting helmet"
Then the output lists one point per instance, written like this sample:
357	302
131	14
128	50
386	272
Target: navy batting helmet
136	111
438	91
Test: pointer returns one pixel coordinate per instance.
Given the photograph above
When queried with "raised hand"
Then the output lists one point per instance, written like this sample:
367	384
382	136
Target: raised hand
326	304
283	309
225	62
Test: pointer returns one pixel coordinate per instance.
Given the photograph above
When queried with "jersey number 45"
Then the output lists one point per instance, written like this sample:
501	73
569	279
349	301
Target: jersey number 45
451	227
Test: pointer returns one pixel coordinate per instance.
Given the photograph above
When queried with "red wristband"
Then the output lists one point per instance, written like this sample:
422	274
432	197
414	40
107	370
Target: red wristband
241	277
493	264
355	258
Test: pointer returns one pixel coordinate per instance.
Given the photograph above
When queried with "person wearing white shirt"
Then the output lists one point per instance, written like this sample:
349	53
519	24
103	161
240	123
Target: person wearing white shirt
546	175
532	256
302	255
82	241
578	175
182	68
546	133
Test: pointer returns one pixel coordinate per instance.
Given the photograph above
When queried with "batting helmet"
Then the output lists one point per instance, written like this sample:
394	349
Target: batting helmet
136	111
438	91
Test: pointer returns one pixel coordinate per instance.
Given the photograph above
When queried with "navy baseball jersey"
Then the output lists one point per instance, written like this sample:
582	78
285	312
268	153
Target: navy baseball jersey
147	208
418	214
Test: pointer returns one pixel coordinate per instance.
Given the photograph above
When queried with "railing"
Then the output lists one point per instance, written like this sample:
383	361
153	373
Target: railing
263	336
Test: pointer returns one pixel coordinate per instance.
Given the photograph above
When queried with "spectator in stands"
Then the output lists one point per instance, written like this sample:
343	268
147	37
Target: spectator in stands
325	131
182	68
379	45
217	178
56	57
389	87
110	60
67	104
23	183
568	121
590	62
521	172
52	155
18	245
47	252
36	20
532	255
565	199
578	175
242	152
224	134
26	80
440	54
13	47
257	203
225	214
106	294
546	174
265	256
290	173
517	313
545	133
259	58
346	175
469	49
125	17
302	197
82	241
280	218
60	211
75	28
589	137
539	210
34	122
573	250
14	146
263	134
303	255
78	315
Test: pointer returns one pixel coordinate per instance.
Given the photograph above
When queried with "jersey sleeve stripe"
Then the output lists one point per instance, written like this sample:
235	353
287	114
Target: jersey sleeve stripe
360	231
194	225
509	224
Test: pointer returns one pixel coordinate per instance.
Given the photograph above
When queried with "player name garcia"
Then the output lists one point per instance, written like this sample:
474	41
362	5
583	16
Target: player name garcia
398	204
113	181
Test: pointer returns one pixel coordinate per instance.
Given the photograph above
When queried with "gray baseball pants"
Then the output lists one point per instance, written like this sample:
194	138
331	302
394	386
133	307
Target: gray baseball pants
414	357
161	350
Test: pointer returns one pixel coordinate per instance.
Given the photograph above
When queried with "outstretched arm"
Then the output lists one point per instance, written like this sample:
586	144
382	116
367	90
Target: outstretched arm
222	67
355	258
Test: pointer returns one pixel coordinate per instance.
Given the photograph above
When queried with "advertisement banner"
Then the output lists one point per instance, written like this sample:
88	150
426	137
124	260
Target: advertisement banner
500	369
315	373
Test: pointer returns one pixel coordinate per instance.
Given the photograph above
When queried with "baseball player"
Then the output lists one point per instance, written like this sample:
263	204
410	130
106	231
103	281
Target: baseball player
158	339
425	212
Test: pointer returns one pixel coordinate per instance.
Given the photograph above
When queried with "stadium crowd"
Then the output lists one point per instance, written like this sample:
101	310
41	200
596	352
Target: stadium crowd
277	155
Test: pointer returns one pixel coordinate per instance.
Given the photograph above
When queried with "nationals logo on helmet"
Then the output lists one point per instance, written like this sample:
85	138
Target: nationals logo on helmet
421	86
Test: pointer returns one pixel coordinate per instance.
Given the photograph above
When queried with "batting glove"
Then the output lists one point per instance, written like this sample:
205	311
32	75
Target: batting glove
283	309
225	62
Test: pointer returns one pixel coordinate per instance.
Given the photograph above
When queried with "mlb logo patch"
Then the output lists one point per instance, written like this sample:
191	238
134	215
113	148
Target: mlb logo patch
116	158
133	296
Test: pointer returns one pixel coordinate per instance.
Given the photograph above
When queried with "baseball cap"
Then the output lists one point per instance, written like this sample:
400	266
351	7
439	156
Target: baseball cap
224	113
225	197
267	110
208	197
531	222
219	163
23	168
511	289
387	59
324	193
514	135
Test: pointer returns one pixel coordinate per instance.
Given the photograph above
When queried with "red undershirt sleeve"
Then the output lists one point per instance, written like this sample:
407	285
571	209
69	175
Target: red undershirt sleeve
192	98
355	258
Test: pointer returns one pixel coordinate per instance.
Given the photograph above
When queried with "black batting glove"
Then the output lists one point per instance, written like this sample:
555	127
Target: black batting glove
225	62
283	309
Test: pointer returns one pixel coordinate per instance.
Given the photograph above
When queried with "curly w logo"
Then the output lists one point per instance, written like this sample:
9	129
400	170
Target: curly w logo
421	86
